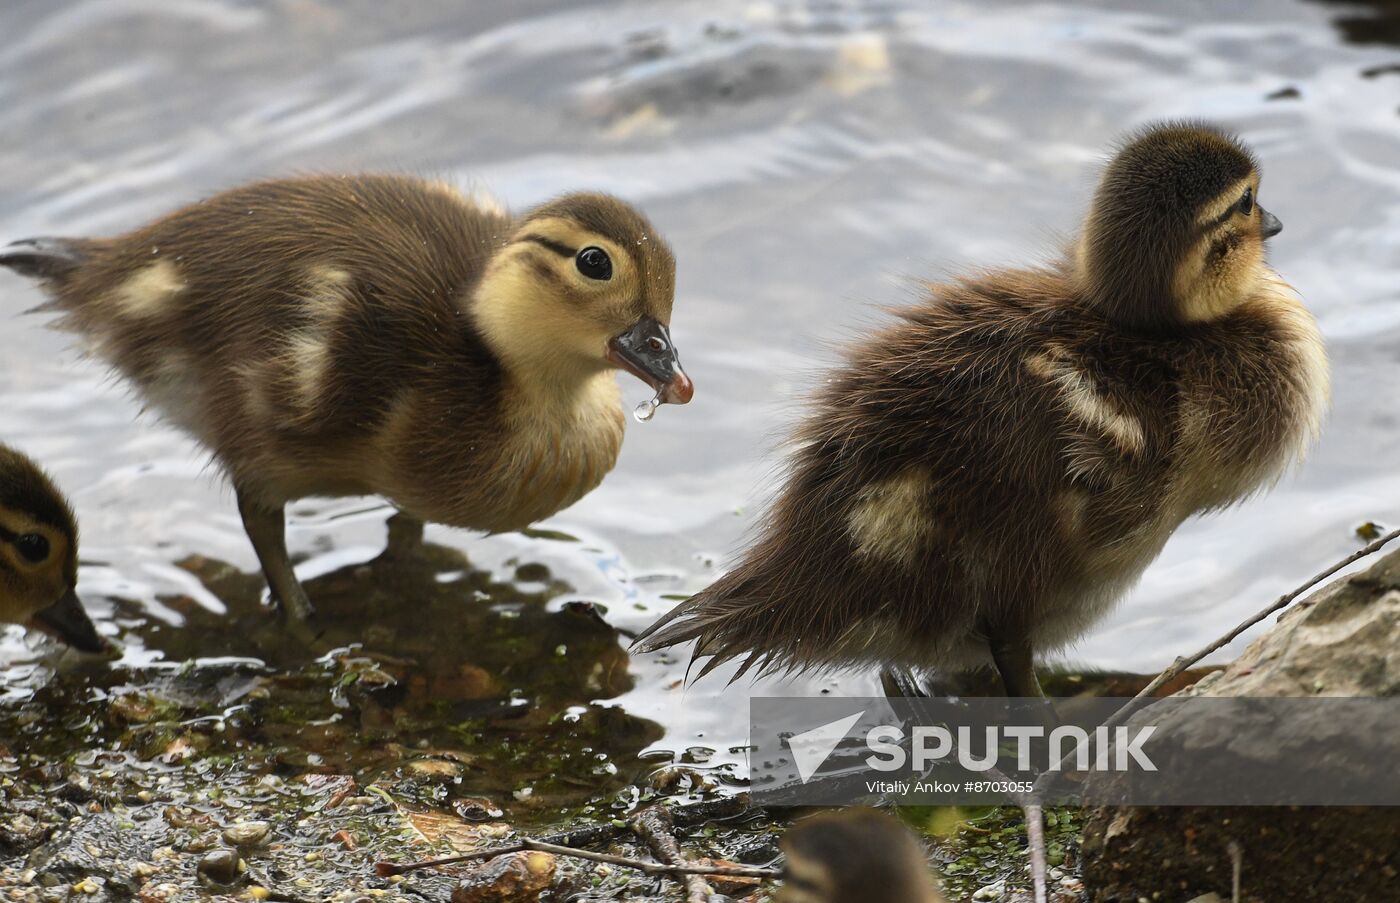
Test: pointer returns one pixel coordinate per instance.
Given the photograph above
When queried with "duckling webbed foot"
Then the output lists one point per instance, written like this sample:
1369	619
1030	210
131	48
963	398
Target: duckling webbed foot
267	529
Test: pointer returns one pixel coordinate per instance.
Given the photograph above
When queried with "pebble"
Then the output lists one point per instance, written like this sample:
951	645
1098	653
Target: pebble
434	769
86	886
247	834
513	876
993	891
220	866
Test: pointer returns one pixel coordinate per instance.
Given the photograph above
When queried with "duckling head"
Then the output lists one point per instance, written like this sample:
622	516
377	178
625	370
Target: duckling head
585	283
855	854
1176	233
39	556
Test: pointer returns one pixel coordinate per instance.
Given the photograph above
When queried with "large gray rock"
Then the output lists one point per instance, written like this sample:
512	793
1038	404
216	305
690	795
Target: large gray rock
1343	641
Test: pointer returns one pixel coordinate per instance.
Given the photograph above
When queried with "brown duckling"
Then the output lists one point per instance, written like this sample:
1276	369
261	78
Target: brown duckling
380	335
854	855
39	556
984	478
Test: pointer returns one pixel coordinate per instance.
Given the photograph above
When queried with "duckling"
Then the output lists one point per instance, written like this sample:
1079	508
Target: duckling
39	556
855	854
380	335
984	478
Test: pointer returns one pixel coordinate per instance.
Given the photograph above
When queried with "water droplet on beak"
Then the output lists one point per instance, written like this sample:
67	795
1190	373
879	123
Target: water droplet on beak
647	409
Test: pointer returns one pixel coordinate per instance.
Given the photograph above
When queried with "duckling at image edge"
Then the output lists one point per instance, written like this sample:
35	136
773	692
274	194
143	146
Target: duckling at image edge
854	855
39	556
986	477
380	335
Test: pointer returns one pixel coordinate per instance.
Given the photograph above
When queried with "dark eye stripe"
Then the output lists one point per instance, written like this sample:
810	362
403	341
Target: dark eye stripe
7	536
562	250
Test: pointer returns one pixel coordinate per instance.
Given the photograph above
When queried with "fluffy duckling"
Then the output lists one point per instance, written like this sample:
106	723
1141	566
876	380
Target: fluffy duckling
984	478
39	556
854	855
380	335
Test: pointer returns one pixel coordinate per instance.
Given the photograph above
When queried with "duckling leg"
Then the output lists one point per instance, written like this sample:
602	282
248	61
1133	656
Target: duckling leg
1015	661
405	534
267	528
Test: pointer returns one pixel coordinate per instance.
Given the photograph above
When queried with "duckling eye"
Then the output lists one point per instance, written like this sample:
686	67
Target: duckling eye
656	344
594	263
1247	202
33	547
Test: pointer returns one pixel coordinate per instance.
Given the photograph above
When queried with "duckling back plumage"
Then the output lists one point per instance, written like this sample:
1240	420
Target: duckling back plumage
984	477
381	335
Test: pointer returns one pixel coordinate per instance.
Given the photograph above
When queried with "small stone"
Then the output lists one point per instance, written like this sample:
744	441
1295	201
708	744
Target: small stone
477	808
86	886
247	834
434	769
219	866
512	877
993	891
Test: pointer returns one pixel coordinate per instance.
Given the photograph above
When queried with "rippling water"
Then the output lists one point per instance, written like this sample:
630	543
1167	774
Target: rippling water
806	159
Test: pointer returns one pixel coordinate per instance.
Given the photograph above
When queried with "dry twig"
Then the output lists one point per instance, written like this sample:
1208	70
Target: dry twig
653	824
385	869
1035	839
568	843
1184	662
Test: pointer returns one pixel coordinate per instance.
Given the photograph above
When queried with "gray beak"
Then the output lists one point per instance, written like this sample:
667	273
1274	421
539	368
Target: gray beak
1269	223
646	352
67	620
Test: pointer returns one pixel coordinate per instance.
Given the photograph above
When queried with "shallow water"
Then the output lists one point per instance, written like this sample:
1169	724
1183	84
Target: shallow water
806	160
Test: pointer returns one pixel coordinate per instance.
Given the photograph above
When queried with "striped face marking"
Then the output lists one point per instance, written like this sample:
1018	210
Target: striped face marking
1225	264
33	560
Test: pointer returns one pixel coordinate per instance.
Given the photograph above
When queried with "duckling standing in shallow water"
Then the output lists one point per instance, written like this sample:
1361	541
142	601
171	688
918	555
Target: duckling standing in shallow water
39	556
380	335
854	855
984	478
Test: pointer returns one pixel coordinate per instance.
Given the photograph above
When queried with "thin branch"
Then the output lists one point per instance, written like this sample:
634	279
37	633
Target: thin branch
1181	664
654	825
1035	839
572	839
1237	866
1184	662
736	806
657	868
385	869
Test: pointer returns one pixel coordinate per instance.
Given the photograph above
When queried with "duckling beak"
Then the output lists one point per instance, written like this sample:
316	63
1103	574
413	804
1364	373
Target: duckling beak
67	620
1269	224
646	352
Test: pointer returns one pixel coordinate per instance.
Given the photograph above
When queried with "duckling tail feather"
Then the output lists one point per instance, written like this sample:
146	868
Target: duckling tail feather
49	259
723	621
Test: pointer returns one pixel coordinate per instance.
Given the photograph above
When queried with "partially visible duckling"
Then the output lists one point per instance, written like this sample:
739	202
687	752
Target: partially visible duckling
39	556
854	855
381	335
987	476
